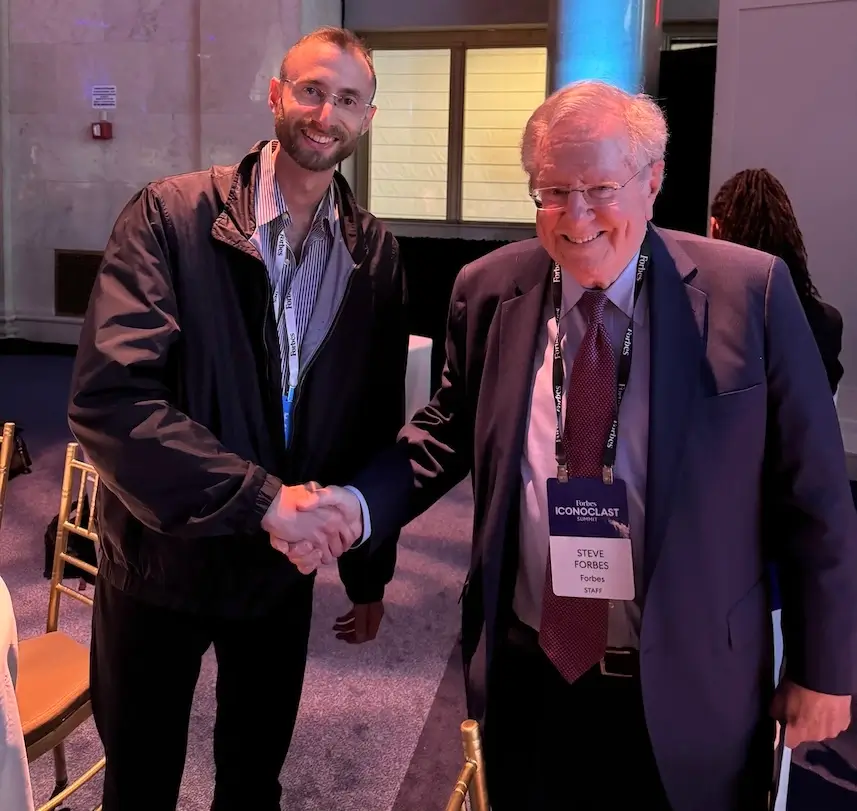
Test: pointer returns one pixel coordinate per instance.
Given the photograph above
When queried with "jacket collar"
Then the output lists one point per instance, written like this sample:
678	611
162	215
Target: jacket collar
271	204
235	189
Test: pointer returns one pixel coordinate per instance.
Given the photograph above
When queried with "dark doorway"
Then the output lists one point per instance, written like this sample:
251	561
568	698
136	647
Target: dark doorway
686	94
431	266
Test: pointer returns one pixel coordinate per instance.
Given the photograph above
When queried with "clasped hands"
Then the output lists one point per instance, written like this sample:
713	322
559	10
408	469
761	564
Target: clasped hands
313	525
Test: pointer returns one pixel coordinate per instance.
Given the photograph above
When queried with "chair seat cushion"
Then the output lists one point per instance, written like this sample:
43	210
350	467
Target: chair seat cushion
53	682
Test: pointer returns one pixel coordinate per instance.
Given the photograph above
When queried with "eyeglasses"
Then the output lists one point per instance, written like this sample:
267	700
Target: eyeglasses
310	94
552	198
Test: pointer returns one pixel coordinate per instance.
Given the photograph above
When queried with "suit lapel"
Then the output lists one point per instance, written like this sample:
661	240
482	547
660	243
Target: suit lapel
514	336
519	330
678	315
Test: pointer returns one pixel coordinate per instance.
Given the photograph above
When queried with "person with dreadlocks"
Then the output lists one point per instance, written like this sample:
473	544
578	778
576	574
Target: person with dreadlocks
753	209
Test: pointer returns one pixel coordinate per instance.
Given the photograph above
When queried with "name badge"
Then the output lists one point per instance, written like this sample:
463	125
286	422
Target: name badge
590	539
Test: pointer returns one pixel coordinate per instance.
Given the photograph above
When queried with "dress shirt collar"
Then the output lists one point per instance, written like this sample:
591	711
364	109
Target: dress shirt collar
270	203
620	293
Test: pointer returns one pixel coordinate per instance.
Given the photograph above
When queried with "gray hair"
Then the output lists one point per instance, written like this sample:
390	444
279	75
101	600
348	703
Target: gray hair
592	102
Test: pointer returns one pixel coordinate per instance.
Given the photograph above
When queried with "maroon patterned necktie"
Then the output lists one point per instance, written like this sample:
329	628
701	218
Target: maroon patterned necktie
574	629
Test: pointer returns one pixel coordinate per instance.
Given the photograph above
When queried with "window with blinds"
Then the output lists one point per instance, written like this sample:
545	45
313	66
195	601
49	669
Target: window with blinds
410	133
502	88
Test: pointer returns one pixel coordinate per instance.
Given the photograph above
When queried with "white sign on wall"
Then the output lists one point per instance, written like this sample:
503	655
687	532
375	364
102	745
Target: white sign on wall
104	97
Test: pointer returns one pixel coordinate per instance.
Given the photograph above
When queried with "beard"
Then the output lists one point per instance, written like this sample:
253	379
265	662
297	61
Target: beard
290	134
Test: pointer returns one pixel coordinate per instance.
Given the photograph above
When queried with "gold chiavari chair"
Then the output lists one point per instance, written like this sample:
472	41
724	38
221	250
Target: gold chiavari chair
471	778
6	449
53	675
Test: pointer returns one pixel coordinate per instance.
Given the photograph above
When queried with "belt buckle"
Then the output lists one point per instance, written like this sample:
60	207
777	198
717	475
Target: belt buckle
603	665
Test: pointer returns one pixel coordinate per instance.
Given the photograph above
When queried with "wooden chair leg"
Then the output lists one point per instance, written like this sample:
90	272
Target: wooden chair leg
60	769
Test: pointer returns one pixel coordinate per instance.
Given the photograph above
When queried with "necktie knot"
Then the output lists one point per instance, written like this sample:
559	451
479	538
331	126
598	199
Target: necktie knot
592	304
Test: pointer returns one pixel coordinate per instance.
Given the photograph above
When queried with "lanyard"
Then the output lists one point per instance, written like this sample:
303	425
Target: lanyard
293	340
292	347
623	374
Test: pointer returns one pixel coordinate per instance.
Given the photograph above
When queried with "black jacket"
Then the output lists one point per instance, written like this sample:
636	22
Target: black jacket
825	322
176	394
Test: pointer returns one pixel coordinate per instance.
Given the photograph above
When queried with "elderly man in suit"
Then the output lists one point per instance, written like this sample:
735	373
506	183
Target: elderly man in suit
611	373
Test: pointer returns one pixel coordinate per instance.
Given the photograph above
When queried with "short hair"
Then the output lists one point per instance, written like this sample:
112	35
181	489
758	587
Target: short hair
342	38
752	208
592	102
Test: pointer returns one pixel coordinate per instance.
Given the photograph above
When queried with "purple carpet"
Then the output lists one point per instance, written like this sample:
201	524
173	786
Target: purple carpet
378	727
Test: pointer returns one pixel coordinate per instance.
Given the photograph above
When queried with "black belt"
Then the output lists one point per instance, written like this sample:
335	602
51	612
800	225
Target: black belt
622	663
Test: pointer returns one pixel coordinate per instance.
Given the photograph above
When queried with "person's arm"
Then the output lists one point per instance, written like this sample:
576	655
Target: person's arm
434	451
366	571
814	520
172	473
834	367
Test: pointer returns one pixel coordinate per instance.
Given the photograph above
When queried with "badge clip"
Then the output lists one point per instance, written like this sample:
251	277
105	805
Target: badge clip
607	474
562	473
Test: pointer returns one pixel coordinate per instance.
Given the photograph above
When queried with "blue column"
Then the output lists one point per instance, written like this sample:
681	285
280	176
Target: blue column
617	41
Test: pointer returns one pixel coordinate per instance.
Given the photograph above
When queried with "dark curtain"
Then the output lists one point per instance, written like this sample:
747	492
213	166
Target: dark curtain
686	94
431	266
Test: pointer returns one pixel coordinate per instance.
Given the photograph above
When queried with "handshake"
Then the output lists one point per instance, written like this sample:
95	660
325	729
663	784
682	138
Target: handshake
313	525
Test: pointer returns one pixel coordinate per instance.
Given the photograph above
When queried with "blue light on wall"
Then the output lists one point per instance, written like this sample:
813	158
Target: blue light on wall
602	39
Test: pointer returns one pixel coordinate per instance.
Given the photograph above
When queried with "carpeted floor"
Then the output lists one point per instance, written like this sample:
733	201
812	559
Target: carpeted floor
378	727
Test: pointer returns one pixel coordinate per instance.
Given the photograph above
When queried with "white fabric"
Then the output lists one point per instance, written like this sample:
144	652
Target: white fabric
15	791
782	793
418	376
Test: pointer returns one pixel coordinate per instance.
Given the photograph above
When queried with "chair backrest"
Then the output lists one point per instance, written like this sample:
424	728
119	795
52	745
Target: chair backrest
6	448
77	474
471	779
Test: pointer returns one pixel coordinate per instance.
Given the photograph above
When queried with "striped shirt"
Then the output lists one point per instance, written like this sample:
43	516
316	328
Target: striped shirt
303	278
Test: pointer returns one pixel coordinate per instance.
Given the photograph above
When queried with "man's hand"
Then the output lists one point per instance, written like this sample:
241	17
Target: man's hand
809	716
360	624
341	500
296	521
323	500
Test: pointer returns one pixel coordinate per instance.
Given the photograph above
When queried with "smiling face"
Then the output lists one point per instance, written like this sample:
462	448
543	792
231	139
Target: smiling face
592	240
320	110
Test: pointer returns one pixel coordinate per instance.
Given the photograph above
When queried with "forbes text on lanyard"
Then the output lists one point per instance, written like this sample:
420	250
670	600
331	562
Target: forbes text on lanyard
293	347
622	377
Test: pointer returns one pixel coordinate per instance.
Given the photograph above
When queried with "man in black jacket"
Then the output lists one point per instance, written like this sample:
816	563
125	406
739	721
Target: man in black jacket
247	332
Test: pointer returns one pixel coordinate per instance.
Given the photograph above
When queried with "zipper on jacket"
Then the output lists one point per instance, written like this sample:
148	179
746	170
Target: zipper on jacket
267	358
318	351
265	330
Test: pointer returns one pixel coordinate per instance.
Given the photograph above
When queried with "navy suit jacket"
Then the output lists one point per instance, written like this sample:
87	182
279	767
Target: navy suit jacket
746	467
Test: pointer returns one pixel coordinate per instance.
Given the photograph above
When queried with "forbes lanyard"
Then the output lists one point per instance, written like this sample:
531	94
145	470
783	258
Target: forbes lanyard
293	335
622	377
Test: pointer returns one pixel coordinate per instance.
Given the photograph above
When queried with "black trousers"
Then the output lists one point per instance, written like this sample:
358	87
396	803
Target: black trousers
145	665
555	746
